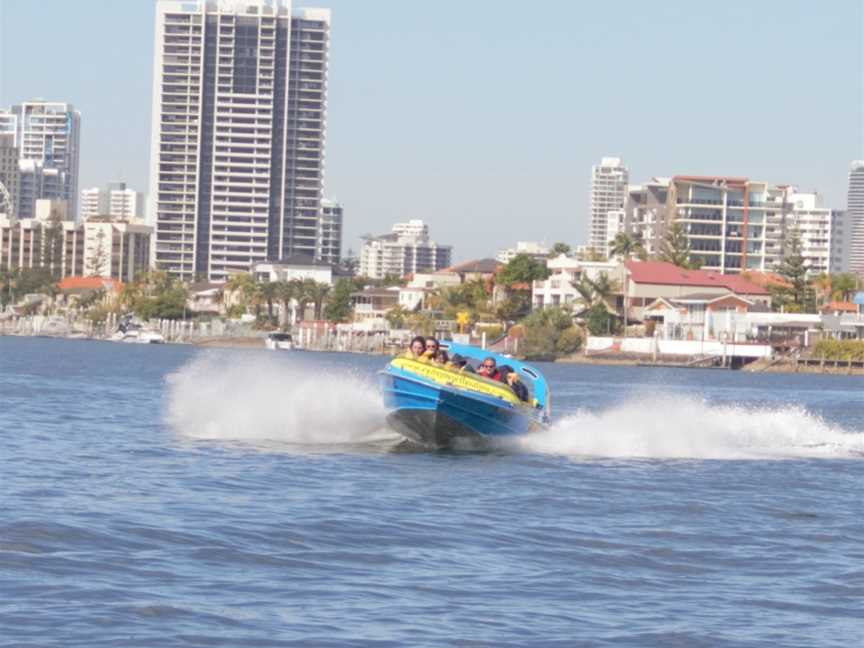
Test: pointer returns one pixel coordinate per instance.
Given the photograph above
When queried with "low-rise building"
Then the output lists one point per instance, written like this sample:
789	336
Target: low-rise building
373	303
297	266
117	249
532	249
559	290
101	248
647	281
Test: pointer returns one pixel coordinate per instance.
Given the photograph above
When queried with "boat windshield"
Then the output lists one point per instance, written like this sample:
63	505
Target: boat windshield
528	374
280	337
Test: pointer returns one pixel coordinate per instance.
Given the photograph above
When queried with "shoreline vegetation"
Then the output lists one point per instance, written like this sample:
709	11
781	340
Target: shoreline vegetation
812	364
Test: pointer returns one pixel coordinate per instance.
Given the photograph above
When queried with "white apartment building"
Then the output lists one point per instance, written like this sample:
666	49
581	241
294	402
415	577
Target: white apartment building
237	150
114	200
608	193
533	249
115	249
855	216
732	224
99	247
46	134
407	249
812	222
558	289
329	244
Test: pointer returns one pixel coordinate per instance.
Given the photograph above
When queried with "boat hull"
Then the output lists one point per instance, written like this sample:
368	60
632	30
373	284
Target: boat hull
441	416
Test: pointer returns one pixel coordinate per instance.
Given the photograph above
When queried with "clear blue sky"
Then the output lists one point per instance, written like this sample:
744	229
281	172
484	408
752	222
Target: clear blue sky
483	117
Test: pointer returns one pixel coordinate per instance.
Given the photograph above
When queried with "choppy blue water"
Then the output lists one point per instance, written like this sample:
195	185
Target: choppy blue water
167	496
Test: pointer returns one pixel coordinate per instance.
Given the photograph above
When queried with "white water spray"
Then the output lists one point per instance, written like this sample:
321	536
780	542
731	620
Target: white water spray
667	427
260	399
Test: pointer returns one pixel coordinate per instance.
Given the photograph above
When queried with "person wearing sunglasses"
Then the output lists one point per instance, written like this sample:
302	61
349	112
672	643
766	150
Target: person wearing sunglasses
487	369
434	352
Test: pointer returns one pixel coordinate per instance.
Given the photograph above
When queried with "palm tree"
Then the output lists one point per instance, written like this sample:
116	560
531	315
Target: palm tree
843	285
269	292
595	291
317	293
676	248
627	245
242	285
302	295
284	295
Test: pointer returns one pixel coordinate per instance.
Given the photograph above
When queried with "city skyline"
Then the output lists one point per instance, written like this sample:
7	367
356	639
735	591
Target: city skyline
422	110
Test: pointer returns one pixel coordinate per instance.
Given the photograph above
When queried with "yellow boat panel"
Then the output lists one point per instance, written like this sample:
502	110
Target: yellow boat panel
443	376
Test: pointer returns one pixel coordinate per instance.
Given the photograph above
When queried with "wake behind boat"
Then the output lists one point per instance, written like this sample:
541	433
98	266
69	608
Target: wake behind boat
441	407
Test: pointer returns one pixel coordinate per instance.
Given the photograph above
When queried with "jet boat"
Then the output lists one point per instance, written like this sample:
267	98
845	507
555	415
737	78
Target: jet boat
442	407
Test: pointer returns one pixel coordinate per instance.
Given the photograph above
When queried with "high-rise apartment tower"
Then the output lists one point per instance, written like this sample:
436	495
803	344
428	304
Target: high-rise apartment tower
608	194
855	215
237	151
46	134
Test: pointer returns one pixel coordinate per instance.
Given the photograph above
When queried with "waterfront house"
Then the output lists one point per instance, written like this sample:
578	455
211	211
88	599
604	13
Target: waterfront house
647	281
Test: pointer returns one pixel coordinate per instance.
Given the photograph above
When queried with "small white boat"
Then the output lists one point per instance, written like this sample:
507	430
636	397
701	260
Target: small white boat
132	333
280	342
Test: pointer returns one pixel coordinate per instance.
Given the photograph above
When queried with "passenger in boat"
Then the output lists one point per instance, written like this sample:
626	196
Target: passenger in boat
488	369
509	376
417	349
434	352
460	363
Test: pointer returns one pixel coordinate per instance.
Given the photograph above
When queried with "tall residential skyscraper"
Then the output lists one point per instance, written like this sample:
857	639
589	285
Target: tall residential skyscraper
46	134
608	194
10	176
237	151
855	215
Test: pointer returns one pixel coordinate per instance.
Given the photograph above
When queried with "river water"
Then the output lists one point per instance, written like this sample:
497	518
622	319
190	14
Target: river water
169	496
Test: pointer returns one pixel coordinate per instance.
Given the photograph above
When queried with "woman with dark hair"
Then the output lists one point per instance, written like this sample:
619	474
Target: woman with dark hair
434	352
416	349
511	378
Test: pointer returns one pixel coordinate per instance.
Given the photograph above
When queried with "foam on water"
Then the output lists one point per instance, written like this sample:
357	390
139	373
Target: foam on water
668	427
262	399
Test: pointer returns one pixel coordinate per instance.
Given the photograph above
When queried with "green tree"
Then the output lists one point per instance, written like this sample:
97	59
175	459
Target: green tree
285	292
100	256
600	321
155	295
843	286
559	248
240	288
396	317
797	294
522	269
549	333
338	308
675	248
627	246
318	292
52	244
594	291
269	293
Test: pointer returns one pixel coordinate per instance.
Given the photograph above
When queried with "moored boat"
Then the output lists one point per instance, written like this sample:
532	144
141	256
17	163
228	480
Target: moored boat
280	342
441	407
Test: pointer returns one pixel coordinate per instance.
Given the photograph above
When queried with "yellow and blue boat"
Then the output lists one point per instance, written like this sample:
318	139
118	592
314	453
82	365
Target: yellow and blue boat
440	407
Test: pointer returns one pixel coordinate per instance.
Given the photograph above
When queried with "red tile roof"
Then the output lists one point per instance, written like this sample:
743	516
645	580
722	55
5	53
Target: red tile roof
662	272
838	306
89	283
765	279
